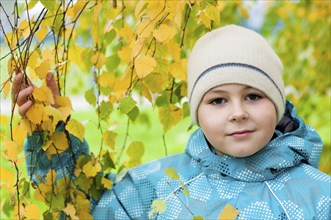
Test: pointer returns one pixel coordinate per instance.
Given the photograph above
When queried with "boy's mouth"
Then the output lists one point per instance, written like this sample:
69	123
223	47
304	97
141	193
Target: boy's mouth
241	133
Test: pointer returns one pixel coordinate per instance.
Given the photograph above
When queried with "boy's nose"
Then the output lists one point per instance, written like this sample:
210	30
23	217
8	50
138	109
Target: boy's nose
238	113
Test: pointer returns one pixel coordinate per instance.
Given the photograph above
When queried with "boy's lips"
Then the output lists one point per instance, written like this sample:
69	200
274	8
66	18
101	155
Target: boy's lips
241	133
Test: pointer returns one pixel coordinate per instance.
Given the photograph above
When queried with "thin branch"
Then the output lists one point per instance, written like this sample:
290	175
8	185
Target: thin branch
165	145
124	142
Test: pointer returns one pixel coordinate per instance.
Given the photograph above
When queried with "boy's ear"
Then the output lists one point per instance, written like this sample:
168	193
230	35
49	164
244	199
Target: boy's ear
286	124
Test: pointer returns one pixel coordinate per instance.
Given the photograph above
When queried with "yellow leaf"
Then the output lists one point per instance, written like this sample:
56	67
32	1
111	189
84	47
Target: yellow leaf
33	63
41	33
77	7
158	206
70	211
106	80
6	89
205	20
63	101
49	180
126	33
228	212
145	92
35	113
125	53
164	32
173	49
178	69
154	8
28	125
172	173
76	128
32	211
19	134
145	28
48	54
60	141
139	10
43	95
96	11
213	13
106	183
109	139
244	13
24	29
121	85
144	66
7	178
98	60
55	115
4	120
76	54
83	211
95	31
175	9
169	116
11	65
91	170
43	69
65	112
136	47
12	40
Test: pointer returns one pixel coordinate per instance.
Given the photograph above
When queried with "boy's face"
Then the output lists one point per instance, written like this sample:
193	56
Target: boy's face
236	119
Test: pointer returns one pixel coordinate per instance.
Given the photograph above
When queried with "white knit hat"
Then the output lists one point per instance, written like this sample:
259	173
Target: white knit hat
234	54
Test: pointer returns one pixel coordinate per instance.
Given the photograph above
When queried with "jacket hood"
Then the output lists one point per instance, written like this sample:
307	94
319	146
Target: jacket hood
286	150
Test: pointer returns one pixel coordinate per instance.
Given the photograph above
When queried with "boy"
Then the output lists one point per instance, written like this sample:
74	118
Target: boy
251	152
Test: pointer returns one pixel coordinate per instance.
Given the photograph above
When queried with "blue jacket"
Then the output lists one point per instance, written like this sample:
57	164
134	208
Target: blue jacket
279	182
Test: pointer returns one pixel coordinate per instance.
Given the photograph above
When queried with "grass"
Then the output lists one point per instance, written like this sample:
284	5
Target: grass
147	129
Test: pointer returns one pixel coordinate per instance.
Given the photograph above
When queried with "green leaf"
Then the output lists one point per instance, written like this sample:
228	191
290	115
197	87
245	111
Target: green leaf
57	201
136	150
134	113
83	183
163	100
112	62
48	215
107	162
50	5
105	109
127	104
90	97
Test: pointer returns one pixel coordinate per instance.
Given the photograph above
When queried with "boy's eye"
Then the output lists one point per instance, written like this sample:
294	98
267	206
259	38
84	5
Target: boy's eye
218	101
253	97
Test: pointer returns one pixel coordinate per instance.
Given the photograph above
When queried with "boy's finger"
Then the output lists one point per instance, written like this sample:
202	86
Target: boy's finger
16	83
23	95
22	110
51	84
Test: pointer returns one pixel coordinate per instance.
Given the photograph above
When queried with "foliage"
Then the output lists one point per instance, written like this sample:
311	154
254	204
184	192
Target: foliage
300	33
136	52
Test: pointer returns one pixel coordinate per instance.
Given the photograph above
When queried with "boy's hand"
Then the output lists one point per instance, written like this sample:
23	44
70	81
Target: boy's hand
21	92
